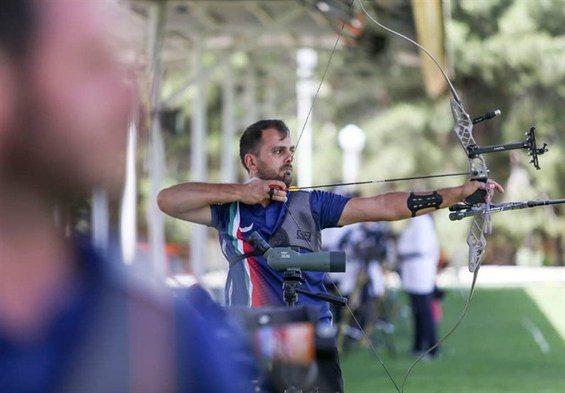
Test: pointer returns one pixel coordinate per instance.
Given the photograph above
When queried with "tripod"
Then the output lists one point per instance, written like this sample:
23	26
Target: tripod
291	262
292	279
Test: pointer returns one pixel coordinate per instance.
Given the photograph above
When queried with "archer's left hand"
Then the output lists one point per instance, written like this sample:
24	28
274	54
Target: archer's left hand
472	186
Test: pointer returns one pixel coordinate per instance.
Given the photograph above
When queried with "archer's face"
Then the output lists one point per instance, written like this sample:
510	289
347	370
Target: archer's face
274	161
71	124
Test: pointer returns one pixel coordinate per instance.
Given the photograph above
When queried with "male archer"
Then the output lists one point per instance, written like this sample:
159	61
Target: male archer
286	219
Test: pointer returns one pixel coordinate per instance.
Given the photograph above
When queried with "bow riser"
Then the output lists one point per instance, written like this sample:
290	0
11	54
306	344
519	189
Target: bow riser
463	128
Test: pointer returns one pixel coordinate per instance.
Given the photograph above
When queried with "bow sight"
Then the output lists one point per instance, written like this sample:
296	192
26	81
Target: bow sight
529	144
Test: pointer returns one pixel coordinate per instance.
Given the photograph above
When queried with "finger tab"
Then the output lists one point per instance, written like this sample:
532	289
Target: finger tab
271	192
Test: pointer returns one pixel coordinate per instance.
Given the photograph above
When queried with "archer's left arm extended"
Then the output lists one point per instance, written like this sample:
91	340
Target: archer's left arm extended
398	205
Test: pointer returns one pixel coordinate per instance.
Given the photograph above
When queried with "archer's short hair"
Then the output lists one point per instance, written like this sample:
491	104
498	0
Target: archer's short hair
250	141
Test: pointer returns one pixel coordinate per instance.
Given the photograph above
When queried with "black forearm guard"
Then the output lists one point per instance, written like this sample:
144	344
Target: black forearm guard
419	202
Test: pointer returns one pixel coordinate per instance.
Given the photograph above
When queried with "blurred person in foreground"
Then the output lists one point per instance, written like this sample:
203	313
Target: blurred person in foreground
286	219
69	320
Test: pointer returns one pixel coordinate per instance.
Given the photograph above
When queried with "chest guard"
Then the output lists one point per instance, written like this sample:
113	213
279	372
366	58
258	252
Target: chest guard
298	229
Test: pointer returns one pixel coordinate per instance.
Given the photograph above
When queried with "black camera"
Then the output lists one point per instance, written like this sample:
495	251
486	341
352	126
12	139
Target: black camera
288	342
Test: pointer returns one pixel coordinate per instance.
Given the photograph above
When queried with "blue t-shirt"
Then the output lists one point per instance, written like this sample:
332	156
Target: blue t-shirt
89	344
251	281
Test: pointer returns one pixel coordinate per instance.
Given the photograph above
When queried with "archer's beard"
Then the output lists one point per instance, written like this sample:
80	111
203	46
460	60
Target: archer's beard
284	175
286	178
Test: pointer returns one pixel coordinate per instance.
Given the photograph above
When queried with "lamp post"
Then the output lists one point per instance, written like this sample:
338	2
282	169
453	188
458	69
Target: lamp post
352	141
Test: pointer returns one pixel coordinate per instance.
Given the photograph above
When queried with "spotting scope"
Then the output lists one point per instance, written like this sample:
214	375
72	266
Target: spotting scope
284	258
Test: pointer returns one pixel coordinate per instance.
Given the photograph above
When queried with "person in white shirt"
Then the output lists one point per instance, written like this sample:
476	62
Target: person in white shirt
418	254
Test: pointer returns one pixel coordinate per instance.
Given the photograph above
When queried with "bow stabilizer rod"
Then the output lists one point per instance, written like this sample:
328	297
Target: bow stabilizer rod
462	210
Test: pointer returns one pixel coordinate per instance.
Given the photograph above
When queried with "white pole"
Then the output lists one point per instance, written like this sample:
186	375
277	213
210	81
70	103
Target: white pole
228	127
100	220
128	213
199	241
250	95
156	166
306	62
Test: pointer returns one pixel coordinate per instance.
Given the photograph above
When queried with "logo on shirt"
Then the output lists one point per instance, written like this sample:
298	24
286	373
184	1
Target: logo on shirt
302	235
246	229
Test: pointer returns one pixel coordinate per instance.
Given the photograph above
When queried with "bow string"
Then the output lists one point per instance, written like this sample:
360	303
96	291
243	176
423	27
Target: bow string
477	171
478	206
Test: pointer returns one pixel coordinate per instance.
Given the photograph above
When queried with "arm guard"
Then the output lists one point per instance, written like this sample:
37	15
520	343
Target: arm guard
419	202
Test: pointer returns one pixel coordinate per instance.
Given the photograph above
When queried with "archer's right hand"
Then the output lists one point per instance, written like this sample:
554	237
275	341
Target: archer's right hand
262	191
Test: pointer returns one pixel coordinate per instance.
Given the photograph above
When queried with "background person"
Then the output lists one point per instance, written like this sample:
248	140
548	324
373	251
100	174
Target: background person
366	245
418	255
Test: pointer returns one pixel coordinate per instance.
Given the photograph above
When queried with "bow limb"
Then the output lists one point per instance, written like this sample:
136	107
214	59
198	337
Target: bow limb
476	240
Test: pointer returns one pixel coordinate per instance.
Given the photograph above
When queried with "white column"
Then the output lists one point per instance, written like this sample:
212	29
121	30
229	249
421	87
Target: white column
306	62
250	95
229	158
199	241
128	211
100	220
157	152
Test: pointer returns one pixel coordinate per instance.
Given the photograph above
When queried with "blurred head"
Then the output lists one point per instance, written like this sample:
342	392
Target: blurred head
64	99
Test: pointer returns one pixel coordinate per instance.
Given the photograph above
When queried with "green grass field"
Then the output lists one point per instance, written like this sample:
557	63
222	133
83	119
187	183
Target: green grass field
511	341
